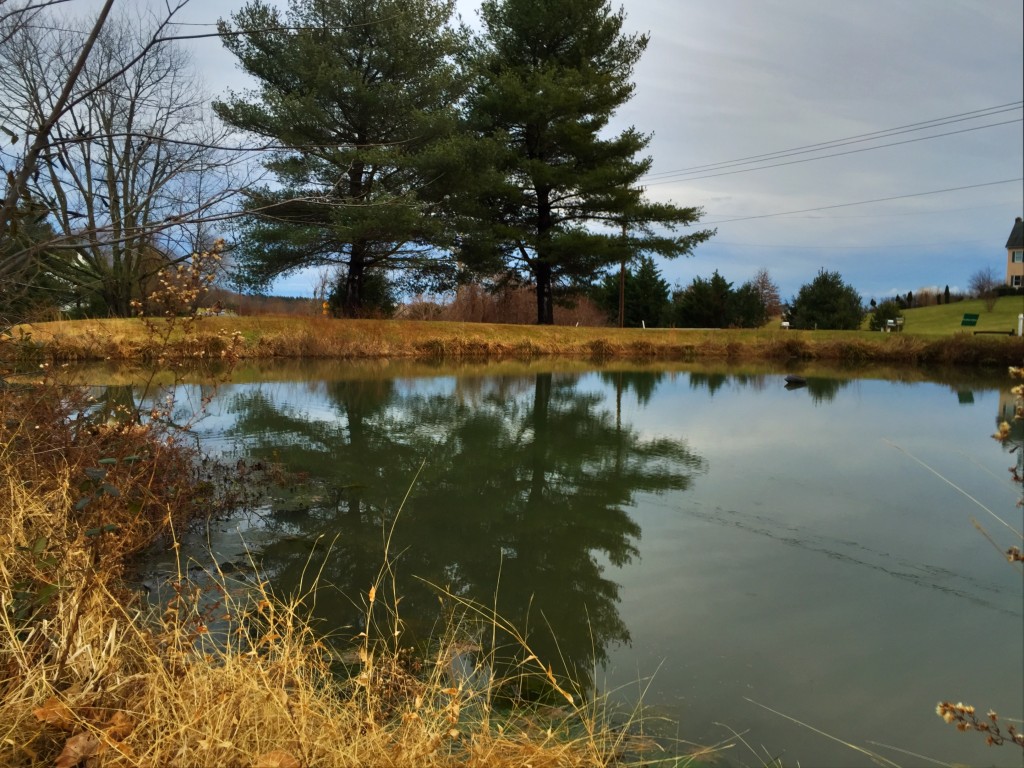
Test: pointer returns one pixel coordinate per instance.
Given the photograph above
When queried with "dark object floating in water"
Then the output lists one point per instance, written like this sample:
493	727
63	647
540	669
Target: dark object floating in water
793	381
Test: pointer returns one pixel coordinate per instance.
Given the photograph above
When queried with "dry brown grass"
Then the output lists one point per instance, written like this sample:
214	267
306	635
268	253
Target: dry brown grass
224	674
318	337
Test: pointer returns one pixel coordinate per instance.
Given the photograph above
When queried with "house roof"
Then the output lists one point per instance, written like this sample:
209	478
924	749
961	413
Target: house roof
1017	235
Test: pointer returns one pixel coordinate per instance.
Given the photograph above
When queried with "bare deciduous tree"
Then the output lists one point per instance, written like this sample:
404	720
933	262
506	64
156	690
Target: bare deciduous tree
19	167
123	157
768	292
129	162
983	284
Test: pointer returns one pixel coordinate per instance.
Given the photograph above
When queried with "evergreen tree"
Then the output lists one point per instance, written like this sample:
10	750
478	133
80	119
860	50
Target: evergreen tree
362	94
33	289
827	303
549	76
883	313
704	304
646	295
714	304
747	308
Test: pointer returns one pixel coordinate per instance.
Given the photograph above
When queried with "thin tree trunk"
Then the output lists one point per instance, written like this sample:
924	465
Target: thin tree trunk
622	294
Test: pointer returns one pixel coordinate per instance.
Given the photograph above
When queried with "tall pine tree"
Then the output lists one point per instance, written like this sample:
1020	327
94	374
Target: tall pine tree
362	95
550	75
645	291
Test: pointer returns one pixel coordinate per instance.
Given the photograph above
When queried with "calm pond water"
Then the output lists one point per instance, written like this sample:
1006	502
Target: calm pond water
718	541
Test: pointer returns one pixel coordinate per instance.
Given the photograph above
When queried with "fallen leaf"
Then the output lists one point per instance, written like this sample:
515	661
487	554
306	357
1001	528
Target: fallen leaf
119	726
276	759
118	746
76	749
55	712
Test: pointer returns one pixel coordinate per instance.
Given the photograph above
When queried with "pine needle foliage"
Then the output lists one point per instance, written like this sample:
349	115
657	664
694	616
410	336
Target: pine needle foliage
562	201
358	99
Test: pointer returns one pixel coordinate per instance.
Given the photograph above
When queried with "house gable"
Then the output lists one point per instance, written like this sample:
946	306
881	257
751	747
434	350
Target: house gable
1015	255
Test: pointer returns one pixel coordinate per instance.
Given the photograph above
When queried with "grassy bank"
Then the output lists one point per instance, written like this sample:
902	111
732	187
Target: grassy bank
290	337
223	674
945	319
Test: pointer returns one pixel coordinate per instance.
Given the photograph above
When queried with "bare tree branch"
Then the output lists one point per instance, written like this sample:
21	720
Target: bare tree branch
17	183
132	171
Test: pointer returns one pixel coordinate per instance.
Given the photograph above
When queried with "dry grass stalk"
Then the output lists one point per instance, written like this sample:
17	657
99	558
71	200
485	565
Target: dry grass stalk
211	338
88	677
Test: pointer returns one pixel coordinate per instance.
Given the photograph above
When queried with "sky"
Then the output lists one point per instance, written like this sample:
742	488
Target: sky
941	82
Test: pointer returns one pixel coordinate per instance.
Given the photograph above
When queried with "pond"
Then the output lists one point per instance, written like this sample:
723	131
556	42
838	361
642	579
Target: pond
743	554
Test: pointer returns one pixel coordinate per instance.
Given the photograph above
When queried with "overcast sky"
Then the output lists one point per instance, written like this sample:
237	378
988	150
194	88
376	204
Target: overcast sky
728	80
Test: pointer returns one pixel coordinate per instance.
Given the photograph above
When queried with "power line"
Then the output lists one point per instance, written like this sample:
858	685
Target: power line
834	154
832	246
856	138
865	202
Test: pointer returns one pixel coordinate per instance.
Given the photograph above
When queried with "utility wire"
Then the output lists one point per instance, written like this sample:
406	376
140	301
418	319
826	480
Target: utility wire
832	246
856	138
833	154
864	202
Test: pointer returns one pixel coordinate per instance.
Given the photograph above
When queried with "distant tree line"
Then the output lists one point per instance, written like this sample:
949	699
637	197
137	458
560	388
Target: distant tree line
648	300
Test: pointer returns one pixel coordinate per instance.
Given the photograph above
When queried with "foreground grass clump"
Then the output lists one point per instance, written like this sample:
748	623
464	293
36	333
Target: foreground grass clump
90	677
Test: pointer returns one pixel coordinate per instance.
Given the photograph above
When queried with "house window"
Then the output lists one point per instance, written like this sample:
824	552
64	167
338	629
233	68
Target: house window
1016	281
1018	257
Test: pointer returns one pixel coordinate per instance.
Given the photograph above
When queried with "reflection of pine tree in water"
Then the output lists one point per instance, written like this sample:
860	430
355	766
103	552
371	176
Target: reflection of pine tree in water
712	382
643	384
529	489
825	390
821	389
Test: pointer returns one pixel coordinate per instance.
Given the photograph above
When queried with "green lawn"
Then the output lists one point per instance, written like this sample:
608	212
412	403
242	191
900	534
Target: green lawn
944	319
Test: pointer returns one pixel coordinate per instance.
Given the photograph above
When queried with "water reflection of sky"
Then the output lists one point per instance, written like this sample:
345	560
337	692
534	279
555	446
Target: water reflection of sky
819	569
811	562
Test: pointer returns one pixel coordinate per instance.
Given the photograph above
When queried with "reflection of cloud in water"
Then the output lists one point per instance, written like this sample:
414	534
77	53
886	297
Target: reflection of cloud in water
939	578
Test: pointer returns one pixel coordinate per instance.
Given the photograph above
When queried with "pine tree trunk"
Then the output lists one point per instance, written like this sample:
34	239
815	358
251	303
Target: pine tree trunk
352	294
542	268
545	302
